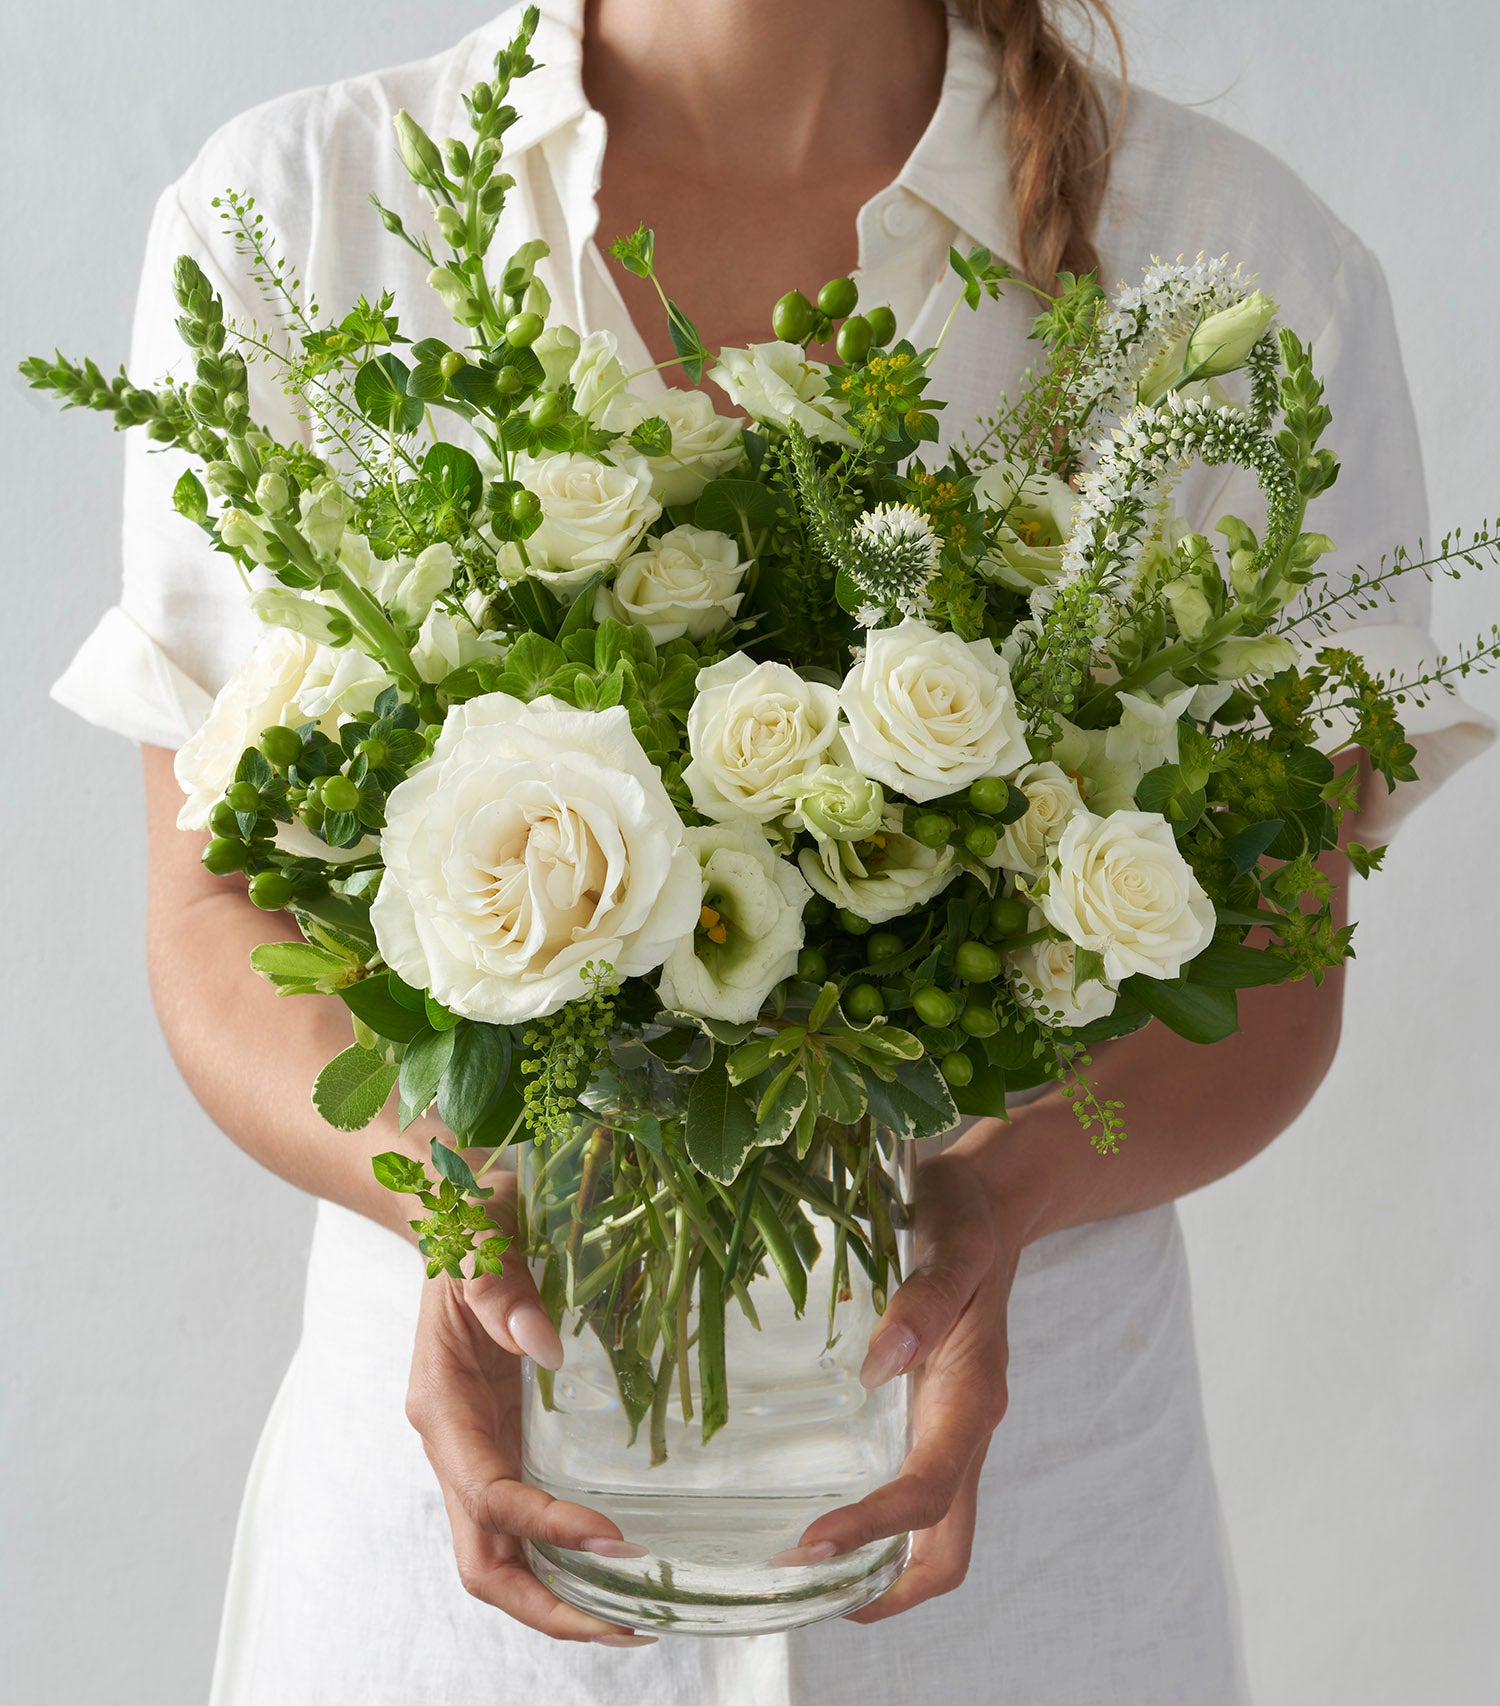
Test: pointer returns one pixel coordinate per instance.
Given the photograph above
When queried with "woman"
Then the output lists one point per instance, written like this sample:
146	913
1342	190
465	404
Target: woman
769	144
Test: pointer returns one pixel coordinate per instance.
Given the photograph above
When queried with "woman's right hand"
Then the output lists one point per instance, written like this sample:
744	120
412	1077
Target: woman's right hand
465	1401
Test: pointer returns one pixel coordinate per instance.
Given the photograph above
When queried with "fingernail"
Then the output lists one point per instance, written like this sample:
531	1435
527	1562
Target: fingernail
888	1356
615	1549
625	1640
532	1329
814	1554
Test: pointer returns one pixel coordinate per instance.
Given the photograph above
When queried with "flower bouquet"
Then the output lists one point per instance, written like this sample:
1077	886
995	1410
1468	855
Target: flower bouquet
709	803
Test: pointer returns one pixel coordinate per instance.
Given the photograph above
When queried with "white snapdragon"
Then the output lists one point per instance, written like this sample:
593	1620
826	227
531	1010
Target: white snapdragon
535	840
1147	732
749	927
752	729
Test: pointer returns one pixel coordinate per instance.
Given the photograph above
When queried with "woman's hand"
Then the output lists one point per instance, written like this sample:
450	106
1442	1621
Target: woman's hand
947	1320
465	1402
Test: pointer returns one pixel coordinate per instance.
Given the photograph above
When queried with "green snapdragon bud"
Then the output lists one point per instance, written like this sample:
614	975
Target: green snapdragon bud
272	492
451	223
456	156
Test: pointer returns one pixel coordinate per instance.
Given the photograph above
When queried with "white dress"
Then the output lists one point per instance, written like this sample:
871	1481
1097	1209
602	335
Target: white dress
1100	1575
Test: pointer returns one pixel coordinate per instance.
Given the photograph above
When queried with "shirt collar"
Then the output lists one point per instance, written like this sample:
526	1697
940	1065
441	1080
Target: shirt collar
958	167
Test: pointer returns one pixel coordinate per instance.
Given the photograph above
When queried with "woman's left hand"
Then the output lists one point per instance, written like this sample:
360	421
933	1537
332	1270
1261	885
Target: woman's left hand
947	1320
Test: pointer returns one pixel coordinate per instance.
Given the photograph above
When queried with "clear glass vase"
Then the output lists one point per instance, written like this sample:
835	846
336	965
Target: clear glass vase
712	1421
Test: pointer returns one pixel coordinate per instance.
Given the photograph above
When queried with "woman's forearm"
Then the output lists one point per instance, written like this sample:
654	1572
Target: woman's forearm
249	1055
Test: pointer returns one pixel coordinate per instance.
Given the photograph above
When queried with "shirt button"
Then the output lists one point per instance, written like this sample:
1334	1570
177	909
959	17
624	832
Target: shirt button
899	219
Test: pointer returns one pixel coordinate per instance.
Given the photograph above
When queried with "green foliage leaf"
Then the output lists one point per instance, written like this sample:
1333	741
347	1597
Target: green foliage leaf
380	390
1243	849
686	342
730	506
353	1088
720	1128
300	968
372	1003
474	1076
398	1172
422	1067
453	473
916	1103
1230	965
454	1168
1198	1012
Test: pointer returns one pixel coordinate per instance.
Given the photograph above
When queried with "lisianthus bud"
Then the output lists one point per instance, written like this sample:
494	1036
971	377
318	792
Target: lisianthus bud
1222	342
419	153
324	508
836	803
281	609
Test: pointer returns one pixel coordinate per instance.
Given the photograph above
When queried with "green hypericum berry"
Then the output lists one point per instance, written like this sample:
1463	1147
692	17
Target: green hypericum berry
524	505
863	1003
792	318
508	381
340	794
855	340
270	890
976	962
838	297
934	1006
981	840
281	745
989	794
222	821
979	1020
1008	916
852	923
374	751
883	945
223	856
243	797
812	965
882	324
523	329
932	829
454	362
957	1068
546	410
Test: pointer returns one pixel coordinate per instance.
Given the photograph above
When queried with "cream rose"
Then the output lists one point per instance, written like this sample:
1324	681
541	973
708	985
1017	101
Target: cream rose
536	839
752	728
776	383
1120	887
749	927
262	691
1042	973
685	582
881	877
1026	844
592	513
596	375
928	713
704	444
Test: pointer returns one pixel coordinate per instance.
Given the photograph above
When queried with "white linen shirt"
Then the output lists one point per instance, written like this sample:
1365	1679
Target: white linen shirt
1099	1576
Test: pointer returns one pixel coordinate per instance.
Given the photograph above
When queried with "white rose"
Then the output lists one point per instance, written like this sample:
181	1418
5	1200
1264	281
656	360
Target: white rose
749	927
262	691
685	582
883	877
1026	844
1146	734
535	840
592	513
596	375
1038	511
777	383
1121	888
752	728
928	713
704	444
1043	977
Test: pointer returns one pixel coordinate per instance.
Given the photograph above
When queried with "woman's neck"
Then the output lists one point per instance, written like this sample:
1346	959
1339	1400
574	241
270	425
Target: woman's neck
772	89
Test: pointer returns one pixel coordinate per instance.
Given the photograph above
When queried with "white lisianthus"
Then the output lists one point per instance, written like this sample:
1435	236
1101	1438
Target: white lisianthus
1120	887
1026	844
754	727
704	444
835	803
776	383
1107	784
1217	345
882	877
592	513
928	713
535	840
1042	974
685	582
1038	511
596	375
1147	732
749	927
263	690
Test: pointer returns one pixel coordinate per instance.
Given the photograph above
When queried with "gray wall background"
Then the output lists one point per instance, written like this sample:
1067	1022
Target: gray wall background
151	1275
